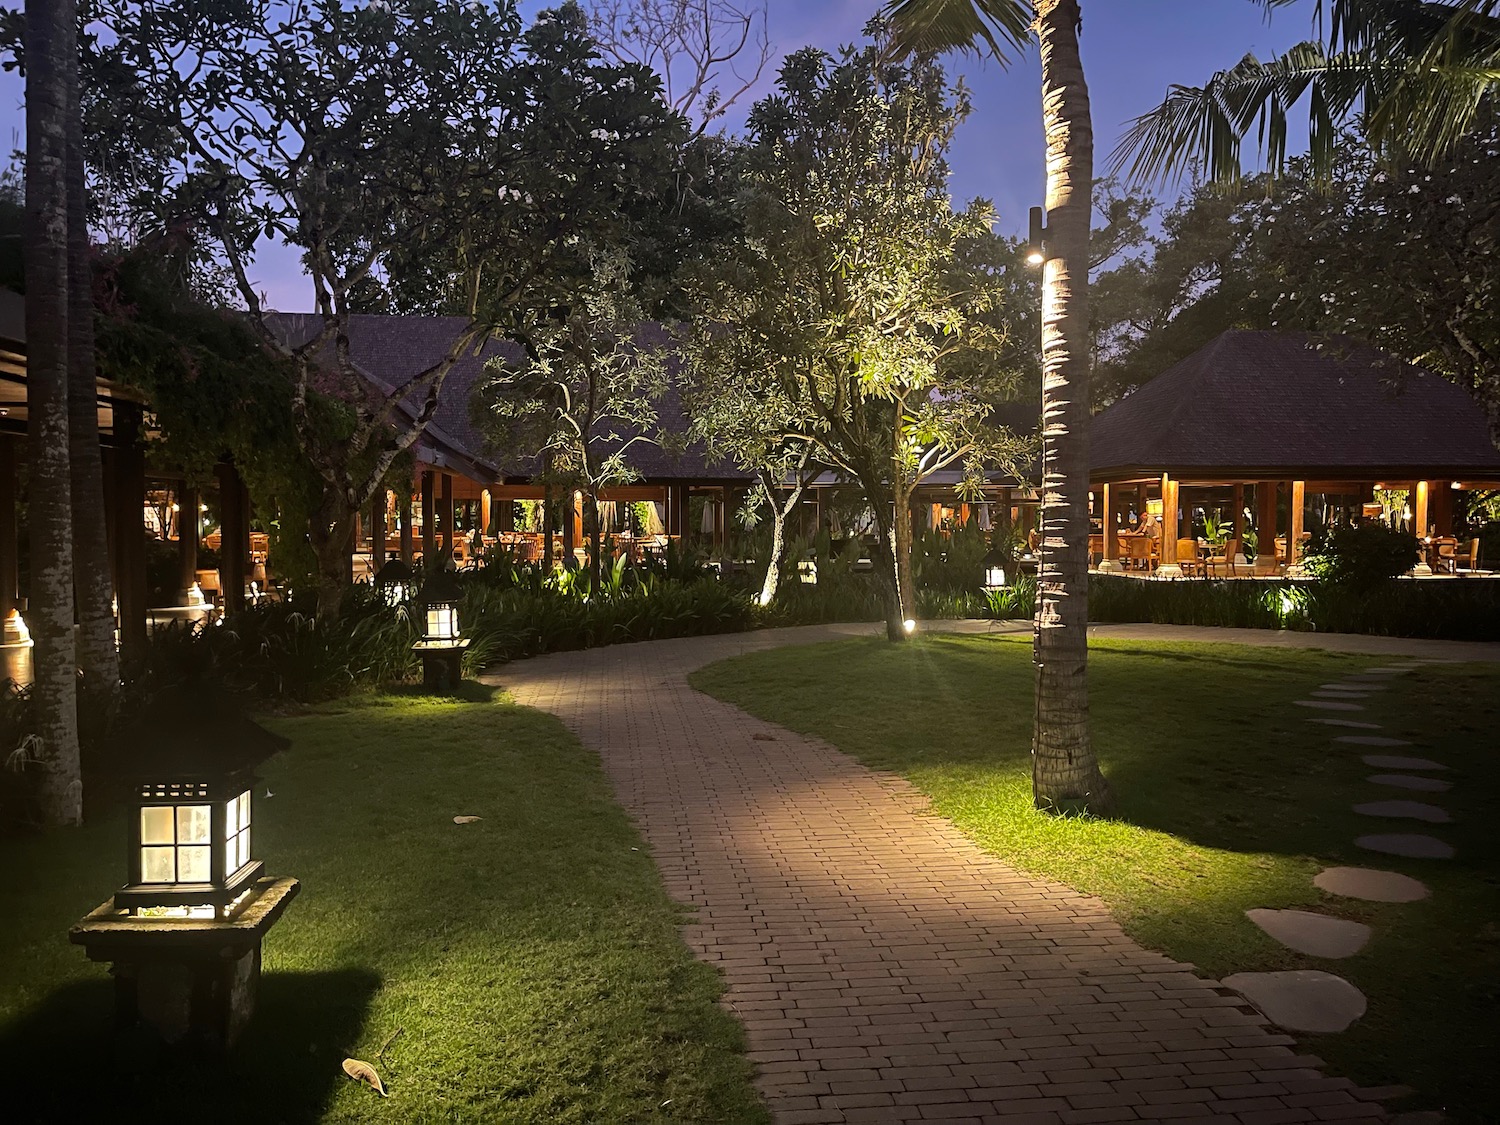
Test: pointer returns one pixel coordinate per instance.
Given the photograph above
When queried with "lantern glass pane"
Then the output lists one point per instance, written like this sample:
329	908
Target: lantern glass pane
231	818
194	823
158	865
193	864
241	849
156	824
244	803
442	622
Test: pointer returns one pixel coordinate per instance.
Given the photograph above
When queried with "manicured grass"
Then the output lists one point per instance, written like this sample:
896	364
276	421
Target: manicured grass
1227	799
524	968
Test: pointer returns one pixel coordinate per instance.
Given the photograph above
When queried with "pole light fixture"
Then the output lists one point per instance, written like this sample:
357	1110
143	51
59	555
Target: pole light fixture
1036	241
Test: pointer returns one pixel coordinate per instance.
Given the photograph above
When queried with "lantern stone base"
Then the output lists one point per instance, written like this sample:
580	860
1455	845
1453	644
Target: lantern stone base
190	981
442	663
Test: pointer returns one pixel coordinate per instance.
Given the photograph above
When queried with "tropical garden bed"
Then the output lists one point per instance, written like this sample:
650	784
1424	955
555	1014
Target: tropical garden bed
1227	799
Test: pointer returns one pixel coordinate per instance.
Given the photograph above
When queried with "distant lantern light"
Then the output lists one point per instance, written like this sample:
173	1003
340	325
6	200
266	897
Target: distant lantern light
394	582
807	571
909	625
994	571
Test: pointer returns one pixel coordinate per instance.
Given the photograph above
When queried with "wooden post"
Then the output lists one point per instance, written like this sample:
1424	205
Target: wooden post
684	512
1265	523
131	540
570	526
1294	533
378	507
1110	562
187	548
406	529
10	564
1239	516
505	515
1167	567
446	517
486	512
1441	506
1419	524
233	539
429	536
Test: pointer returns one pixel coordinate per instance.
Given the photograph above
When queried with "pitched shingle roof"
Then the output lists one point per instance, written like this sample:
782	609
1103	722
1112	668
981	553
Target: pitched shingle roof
391	350
1293	405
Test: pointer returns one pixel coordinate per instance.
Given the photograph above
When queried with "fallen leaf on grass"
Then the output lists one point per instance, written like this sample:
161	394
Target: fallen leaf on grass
466	819
759	737
362	1071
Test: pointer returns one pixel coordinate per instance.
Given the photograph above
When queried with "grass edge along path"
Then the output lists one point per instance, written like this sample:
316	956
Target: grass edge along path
1229	798
526	967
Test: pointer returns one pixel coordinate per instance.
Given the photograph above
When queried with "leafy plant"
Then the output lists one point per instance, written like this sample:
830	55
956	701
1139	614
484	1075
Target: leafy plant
1361	557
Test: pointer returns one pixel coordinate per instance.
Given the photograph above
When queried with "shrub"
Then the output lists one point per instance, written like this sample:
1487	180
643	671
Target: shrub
1361	557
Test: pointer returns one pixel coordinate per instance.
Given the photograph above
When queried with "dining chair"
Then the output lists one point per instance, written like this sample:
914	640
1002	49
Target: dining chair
1226	559
1187	556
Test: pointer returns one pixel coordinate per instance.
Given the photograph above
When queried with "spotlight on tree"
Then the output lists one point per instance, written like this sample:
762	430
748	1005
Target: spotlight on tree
1036	241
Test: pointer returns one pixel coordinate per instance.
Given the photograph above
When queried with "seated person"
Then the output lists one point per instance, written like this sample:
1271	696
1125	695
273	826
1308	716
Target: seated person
1149	526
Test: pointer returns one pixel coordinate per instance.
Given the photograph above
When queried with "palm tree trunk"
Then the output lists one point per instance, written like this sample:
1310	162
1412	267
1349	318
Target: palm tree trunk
98	658
50	58
1065	773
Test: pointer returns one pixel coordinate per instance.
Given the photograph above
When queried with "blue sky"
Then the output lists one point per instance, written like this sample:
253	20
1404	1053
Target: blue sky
1132	51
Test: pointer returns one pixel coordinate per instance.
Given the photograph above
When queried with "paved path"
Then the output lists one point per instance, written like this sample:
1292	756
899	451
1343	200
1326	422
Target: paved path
885	968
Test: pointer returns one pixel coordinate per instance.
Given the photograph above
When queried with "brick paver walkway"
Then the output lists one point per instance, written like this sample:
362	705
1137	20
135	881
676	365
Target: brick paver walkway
885	968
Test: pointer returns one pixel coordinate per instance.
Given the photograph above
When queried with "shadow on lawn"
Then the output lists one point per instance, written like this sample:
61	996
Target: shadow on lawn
66	1061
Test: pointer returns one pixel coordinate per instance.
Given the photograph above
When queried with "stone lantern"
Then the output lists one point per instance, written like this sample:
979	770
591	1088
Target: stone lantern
442	645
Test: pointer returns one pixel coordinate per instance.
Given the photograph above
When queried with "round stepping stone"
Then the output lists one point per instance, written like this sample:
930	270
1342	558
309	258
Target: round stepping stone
1351	723
1351	695
1301	1000
1413	845
1371	740
1317	935
1406	810
1407	781
1370	885
1396	762
1387	671
1329	705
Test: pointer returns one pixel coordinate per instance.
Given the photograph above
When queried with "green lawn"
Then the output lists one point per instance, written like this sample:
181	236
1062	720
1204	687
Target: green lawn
1227	799
524	968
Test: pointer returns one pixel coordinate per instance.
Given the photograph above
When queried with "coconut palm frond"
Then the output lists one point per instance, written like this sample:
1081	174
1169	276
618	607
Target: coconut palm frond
933	27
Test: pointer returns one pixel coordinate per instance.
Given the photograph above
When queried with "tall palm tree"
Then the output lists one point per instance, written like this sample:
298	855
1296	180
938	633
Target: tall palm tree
1419	71
1065	772
98	659
50	54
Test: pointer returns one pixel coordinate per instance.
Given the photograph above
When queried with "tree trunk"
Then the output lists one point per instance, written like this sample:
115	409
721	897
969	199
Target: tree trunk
772	581
50	58
885	561
906	587
1065	773
596	539
330	536
98	659
549	527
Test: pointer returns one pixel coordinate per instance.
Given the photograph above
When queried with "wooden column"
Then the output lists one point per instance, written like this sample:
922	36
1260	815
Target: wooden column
684	511
130	591
1265	521
486	512
1440	504
446	519
1419	510
234	538
1167	565
10	565
429	538
570	525
505	515
378	508
404	514
187	548
1239	515
1298	500
1110	562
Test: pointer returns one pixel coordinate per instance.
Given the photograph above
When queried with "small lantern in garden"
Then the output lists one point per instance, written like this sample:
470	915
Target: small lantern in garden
442	645
183	935
394	582
994	571
190	846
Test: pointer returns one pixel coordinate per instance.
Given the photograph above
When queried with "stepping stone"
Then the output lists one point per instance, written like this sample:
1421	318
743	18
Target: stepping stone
1387	671
1346	723
1301	1000
1408	810
1406	781
1317	935
1370	885
1340	695
1371	740
1395	762
1329	705
1413	845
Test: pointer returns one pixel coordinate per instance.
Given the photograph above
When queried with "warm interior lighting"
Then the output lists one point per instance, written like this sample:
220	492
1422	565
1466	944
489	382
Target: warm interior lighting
1154	508
1458	484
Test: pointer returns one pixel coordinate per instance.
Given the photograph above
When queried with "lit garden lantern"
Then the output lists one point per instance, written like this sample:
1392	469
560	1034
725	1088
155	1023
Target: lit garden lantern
442	645
183	935
190	854
994	571
394	582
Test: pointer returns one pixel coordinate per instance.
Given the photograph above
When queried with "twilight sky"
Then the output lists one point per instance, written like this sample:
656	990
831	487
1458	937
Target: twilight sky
1132	51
